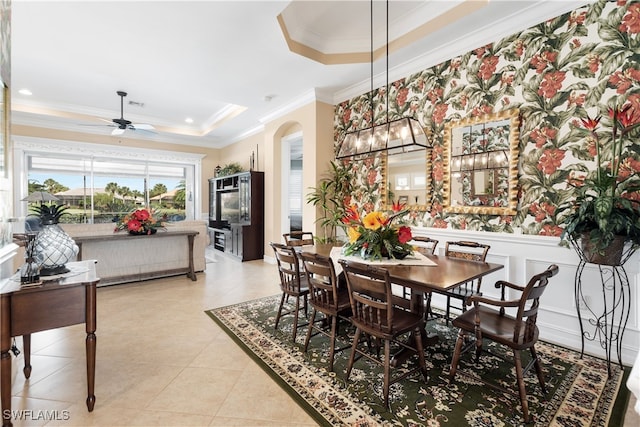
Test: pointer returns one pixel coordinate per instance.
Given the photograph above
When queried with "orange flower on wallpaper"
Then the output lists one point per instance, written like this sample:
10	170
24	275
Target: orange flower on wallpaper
551	84
631	21
402	96
551	160
488	67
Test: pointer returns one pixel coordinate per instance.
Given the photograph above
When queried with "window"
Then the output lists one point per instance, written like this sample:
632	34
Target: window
101	184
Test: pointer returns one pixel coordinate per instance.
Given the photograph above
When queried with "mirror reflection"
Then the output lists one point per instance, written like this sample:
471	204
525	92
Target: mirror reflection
407	179
481	170
483	184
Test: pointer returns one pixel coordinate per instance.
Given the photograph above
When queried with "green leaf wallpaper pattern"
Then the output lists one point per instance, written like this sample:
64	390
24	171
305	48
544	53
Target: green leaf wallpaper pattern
556	73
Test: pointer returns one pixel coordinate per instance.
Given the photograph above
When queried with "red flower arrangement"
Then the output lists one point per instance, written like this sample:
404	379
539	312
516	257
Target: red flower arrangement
140	221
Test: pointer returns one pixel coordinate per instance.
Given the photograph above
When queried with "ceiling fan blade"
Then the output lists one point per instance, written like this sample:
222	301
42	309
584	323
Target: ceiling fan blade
117	131
142	126
93	124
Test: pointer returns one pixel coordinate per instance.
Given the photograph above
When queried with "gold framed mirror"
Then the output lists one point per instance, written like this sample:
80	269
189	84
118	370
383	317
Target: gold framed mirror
407	178
480	162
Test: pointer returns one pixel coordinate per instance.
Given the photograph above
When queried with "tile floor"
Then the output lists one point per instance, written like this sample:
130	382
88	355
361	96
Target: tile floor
161	361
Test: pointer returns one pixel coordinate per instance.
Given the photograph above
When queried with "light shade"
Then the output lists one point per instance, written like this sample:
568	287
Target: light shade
394	137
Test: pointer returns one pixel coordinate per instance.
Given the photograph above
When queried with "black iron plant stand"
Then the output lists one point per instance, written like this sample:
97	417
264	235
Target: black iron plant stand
607	326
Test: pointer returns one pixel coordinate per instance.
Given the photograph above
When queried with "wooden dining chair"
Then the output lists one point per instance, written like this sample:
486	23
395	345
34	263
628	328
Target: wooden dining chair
293	283
517	332
298	238
426	246
374	314
326	297
472	251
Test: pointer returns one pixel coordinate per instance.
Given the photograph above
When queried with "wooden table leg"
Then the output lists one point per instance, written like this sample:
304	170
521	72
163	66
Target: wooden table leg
26	341
191	274
5	361
91	345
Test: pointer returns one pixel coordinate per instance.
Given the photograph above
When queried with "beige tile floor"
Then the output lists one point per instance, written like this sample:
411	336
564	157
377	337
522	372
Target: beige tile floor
161	361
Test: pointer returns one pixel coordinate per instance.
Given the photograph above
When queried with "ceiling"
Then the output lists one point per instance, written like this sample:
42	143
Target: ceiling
231	66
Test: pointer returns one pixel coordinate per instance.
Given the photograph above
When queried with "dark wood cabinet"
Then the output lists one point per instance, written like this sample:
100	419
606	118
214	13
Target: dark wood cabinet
236	214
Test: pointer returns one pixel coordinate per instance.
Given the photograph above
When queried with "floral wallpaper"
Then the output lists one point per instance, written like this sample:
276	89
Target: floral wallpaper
557	73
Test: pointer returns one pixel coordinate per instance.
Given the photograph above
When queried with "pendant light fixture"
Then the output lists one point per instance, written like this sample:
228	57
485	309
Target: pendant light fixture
395	136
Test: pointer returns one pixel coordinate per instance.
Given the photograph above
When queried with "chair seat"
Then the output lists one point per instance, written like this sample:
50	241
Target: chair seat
499	327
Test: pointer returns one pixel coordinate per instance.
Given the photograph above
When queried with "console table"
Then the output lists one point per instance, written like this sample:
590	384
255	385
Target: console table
68	300
126	258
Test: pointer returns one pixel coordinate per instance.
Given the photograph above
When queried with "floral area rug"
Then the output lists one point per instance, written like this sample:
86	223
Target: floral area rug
579	393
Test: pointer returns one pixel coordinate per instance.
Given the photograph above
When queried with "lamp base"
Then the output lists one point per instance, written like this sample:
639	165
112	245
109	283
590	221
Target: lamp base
54	271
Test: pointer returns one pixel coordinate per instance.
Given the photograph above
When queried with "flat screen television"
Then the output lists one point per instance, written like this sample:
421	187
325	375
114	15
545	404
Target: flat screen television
230	207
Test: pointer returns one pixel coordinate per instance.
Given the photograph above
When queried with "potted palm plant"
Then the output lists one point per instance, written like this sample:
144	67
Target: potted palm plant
604	218
331	196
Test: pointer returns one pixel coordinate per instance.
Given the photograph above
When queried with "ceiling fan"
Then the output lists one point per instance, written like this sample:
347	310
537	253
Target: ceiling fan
122	124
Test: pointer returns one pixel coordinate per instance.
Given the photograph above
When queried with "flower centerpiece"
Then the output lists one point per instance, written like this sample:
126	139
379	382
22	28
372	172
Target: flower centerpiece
140	221
606	211
375	236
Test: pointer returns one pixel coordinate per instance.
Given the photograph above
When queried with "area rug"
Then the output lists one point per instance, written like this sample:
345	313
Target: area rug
579	393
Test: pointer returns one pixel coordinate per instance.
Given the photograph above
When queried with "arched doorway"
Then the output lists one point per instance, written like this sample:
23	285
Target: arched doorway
292	182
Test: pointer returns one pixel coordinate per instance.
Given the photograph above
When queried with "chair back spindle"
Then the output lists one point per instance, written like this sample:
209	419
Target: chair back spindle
323	289
527	314
298	238
288	267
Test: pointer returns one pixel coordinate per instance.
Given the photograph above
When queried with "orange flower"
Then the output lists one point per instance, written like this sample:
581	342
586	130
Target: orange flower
353	234
374	220
351	215
397	206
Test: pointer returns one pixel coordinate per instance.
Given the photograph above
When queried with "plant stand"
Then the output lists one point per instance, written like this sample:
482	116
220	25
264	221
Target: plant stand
607	323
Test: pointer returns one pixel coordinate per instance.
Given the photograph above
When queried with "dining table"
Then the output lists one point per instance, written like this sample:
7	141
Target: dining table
419	273
443	273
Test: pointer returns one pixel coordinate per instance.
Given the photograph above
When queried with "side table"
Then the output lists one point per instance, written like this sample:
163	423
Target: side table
65	301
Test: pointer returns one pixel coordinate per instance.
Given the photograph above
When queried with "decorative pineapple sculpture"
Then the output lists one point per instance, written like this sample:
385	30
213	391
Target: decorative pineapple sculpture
53	246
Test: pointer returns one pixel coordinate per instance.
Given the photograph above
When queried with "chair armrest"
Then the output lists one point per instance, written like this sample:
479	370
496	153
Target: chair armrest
475	299
501	283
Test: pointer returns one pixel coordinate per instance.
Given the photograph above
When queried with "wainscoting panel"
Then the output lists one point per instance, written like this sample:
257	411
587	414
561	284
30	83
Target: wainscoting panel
523	256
